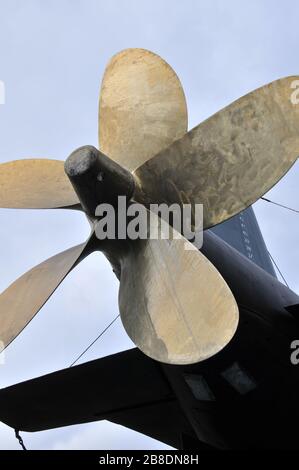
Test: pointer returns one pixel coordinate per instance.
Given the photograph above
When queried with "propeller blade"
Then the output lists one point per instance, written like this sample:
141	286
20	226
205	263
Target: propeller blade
35	184
174	304
142	107
231	159
22	300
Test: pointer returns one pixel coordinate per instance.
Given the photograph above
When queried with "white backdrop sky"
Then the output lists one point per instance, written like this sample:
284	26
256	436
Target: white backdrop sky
52	58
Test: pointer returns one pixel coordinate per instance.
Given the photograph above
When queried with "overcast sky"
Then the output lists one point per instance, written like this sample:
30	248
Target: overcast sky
52	58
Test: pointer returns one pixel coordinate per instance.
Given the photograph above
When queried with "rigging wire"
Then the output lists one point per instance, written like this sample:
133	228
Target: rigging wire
17	432
273	260
280	205
95	340
276	265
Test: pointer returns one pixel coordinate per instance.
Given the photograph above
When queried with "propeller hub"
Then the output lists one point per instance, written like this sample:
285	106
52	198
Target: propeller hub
97	179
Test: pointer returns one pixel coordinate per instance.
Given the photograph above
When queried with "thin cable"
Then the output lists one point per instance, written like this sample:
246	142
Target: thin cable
289	209
17	434
280	205
98	337
278	269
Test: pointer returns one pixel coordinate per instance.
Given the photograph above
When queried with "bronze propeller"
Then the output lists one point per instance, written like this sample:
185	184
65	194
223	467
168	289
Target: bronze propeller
174	304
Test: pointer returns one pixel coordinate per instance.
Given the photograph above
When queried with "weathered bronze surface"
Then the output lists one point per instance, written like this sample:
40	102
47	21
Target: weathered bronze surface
174	304
35	184
230	160
22	300
142	107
